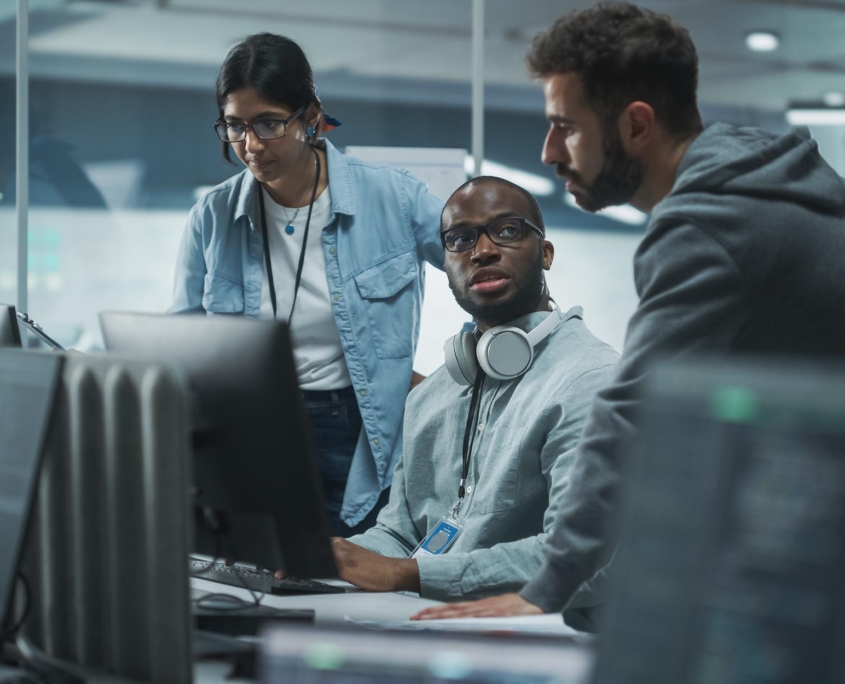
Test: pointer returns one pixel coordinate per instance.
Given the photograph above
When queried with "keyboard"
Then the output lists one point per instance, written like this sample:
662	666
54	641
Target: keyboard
258	580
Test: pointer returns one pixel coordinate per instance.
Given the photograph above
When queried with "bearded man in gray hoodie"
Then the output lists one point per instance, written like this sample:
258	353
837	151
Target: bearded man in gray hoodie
743	253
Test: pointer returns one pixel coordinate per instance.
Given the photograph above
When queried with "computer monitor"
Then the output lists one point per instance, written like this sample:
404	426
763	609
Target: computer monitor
10	335
28	386
257	491
732	527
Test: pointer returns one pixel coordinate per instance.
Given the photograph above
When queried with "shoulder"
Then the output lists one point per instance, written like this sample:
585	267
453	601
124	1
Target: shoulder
572	351
374	179
223	198
435	388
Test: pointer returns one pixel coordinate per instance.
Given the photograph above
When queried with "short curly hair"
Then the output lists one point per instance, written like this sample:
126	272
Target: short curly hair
624	54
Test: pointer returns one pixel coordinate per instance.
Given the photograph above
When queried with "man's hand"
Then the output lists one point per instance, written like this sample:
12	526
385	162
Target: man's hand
416	379
506	605
374	572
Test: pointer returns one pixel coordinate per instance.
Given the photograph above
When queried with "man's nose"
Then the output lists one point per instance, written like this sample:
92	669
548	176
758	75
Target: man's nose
554	151
485	250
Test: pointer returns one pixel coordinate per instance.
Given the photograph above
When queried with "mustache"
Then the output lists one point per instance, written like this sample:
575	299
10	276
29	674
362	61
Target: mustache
568	174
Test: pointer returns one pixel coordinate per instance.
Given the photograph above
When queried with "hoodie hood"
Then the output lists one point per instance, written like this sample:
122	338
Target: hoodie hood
750	161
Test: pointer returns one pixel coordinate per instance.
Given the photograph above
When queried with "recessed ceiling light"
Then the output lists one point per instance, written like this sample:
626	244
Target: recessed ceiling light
762	41
834	99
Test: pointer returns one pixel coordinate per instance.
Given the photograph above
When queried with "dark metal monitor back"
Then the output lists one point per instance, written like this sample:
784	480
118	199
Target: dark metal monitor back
257	490
28	386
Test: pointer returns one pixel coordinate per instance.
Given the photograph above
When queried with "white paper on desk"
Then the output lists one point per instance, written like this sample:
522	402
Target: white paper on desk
552	624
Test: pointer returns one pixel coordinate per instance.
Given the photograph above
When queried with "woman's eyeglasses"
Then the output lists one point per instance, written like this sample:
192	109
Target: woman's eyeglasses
266	129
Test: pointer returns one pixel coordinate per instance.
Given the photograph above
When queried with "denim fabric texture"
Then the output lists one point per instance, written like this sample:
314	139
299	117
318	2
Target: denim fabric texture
336	421
384	226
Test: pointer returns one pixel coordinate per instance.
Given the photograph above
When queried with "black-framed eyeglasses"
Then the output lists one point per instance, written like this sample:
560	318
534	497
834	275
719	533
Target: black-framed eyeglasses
266	129
501	232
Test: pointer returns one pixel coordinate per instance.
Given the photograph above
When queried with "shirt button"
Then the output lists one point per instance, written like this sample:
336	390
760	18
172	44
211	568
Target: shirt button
336	296
480	427
469	489
363	393
332	251
376	442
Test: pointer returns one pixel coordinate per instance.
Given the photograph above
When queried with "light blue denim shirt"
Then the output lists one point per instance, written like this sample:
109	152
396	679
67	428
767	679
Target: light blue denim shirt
384	226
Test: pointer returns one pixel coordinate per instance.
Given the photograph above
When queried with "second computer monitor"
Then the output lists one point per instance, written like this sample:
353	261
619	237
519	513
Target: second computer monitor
10	335
257	489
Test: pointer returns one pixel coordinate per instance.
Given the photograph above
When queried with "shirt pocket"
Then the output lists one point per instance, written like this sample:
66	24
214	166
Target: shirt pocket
222	295
392	305
498	478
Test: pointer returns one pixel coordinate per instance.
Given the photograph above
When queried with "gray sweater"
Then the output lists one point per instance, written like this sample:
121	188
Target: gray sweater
527	433
745	256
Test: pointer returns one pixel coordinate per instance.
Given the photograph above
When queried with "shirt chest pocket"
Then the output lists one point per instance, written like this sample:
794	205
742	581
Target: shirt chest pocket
392	304
497	479
222	295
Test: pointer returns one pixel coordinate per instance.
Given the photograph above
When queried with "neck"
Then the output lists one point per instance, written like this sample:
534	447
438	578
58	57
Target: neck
294	188
542	305
661	169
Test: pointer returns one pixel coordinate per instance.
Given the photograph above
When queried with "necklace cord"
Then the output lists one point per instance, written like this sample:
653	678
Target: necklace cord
267	264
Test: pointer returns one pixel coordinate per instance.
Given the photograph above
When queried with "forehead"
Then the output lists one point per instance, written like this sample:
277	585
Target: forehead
565	97
246	103
480	204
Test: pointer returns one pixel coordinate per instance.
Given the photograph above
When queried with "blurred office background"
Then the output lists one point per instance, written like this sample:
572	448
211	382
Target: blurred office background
121	105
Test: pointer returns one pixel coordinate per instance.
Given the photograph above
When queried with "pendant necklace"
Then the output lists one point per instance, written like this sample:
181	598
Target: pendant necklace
289	229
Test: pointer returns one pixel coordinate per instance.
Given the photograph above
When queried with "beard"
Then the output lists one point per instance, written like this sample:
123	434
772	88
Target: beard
521	300
616	183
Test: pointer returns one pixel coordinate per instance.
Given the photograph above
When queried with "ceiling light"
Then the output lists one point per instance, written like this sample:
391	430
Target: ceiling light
536	185
762	41
816	117
624	213
834	98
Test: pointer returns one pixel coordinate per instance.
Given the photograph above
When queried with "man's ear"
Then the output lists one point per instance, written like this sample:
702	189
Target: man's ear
637	126
548	254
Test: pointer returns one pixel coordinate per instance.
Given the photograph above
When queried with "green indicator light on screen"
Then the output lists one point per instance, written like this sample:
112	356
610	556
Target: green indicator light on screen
734	404
324	657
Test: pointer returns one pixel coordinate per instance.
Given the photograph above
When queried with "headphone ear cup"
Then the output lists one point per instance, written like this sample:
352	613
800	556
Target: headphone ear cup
504	353
459	353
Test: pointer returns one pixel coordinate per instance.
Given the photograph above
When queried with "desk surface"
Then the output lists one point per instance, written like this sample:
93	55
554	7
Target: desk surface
329	608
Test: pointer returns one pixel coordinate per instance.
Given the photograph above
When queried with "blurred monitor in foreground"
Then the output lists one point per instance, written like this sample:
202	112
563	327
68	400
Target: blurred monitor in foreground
10	335
257	493
732	564
296	655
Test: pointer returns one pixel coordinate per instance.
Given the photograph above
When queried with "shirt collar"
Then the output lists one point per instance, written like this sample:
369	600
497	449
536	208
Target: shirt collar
340	178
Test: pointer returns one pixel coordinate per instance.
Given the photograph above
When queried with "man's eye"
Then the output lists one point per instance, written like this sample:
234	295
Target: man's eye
459	239
508	230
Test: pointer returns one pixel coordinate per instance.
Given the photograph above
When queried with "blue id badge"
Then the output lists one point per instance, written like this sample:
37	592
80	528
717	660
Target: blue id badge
440	538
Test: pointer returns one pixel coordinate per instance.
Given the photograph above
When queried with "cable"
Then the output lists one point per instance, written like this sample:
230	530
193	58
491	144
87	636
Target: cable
12	631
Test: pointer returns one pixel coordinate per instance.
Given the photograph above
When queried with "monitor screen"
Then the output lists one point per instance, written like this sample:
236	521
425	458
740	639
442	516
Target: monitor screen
256	485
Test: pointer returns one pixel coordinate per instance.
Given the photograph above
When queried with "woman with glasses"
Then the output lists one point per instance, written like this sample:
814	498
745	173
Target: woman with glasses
335	246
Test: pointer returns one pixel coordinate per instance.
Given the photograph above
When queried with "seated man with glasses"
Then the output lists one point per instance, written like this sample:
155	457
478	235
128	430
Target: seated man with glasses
489	437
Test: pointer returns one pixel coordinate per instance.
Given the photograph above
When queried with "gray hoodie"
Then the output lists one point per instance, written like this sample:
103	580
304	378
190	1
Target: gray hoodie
746	255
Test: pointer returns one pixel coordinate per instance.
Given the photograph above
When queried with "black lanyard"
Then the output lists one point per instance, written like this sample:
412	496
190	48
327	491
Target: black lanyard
469	434
267	263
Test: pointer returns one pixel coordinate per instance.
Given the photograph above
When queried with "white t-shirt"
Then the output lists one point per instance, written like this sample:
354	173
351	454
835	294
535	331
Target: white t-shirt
317	351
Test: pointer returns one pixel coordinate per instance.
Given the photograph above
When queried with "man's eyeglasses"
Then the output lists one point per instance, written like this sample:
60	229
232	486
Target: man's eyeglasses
266	129
501	232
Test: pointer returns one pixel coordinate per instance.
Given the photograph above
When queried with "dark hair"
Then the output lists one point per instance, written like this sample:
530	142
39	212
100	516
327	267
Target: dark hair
535	215
625	54
274	66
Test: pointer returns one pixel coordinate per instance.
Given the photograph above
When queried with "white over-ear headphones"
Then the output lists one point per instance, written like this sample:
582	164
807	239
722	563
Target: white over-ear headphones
503	353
